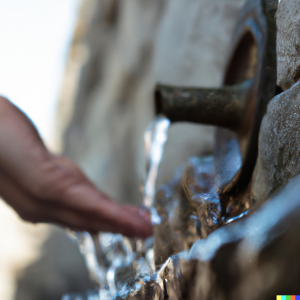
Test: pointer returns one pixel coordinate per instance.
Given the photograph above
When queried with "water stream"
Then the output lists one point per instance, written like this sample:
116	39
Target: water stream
155	138
115	248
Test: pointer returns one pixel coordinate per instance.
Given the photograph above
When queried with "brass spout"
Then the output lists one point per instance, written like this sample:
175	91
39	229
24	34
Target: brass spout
224	106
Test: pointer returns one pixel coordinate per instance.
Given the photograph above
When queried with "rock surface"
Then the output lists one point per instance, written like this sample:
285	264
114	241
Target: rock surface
279	144
178	231
199	184
254	258
288	43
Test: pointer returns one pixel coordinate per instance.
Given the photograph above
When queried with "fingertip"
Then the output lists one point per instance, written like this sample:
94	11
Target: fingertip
142	228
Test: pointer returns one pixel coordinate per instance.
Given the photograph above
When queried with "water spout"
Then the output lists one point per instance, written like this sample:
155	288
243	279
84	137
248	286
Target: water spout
224	106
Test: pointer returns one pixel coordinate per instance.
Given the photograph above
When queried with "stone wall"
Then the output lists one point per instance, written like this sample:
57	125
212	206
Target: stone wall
279	144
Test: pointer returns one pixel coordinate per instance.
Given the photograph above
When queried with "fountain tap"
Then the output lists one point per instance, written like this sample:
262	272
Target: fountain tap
224	106
238	106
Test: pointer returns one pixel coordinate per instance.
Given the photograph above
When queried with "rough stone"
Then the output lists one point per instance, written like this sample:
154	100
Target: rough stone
279	145
254	258
148	289
178	230
199	185
288	43
251	259
166	283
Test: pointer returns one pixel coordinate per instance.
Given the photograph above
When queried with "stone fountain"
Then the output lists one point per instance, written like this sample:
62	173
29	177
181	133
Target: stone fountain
230	221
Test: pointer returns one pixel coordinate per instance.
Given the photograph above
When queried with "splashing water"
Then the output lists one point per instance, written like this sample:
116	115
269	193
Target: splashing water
117	251
88	250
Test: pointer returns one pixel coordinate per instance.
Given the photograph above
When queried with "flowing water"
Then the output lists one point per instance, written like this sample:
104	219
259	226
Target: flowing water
155	138
117	249
87	248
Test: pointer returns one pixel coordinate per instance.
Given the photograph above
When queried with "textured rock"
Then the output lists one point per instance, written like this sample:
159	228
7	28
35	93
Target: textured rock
254	258
166	283
179	228
279	145
147	289
170	277
288	43
199	185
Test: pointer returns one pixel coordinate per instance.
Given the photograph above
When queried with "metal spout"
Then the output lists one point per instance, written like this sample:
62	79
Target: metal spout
224	106
249	84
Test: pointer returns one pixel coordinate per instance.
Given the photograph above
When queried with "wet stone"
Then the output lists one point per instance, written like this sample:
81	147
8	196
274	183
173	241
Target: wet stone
179	227
199	185
146	289
279	145
246	260
170	277
288	43
251	259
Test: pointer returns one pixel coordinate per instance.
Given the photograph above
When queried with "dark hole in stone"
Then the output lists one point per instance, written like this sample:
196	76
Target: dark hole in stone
243	63
278	90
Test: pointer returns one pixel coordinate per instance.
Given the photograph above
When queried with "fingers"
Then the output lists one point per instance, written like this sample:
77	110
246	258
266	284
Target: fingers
86	200
80	212
79	221
77	193
45	188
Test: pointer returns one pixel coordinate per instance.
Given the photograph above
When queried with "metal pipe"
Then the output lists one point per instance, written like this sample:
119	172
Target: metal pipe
224	106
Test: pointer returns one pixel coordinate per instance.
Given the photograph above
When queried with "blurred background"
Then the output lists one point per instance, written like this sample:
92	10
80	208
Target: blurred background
84	72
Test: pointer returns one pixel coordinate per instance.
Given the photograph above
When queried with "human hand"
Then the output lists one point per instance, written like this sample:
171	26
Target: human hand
42	187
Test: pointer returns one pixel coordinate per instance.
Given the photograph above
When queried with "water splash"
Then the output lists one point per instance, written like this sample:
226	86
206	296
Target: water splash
116	251
88	250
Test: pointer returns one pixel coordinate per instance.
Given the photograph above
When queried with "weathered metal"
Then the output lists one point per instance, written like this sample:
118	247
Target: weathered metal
215	106
239	105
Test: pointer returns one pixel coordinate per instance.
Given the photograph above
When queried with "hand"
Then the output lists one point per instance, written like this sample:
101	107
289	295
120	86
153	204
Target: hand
42	187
